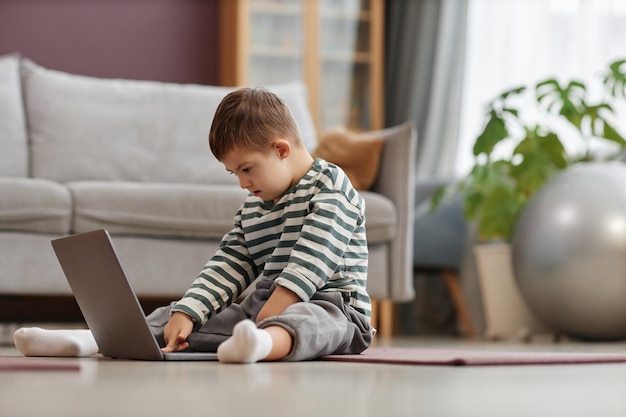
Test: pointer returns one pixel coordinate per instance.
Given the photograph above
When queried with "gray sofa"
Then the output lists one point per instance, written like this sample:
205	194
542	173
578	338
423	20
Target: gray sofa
79	153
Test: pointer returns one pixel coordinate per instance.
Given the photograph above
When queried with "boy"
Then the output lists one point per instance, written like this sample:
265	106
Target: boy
300	231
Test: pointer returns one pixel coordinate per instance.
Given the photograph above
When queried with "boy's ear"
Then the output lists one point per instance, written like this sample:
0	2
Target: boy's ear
282	147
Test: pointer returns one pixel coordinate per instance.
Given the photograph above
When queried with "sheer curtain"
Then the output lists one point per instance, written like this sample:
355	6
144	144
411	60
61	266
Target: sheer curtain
519	42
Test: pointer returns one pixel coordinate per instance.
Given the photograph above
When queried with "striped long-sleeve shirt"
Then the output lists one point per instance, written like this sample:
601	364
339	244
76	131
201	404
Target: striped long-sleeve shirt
312	239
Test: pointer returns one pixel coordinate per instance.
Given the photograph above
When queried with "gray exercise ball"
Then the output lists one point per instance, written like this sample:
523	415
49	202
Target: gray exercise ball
569	251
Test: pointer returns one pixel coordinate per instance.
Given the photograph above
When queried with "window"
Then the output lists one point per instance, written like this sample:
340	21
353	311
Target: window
520	42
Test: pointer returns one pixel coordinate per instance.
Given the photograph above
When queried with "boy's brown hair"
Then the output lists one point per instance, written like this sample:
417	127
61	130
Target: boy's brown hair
250	119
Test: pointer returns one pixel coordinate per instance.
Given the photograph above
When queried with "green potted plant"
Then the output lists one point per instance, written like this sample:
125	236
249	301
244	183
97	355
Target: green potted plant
500	183
520	148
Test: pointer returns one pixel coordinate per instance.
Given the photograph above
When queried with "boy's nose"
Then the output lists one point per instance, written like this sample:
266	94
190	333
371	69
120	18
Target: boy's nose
244	183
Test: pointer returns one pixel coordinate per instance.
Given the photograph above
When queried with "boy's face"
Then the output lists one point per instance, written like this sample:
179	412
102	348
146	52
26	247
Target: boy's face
264	174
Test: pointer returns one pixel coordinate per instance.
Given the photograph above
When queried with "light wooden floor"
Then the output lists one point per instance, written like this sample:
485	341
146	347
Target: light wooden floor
106	387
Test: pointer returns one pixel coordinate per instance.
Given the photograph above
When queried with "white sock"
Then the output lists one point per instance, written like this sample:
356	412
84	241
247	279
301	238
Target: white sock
248	344
35	341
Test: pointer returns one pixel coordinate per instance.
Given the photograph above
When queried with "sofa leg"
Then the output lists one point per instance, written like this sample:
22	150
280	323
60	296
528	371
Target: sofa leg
383	317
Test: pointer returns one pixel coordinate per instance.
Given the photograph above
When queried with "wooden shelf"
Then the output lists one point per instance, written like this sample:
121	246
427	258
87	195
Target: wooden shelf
338	54
267	7
275	51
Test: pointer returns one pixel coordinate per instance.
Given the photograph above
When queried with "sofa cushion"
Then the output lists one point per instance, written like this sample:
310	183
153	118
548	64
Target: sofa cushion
185	210
13	137
358	157
181	210
86	128
35	205
381	218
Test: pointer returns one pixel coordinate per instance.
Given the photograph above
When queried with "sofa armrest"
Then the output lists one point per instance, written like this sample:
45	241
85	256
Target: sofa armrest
396	182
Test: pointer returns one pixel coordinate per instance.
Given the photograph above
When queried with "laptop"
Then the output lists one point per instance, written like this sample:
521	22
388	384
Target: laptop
107	300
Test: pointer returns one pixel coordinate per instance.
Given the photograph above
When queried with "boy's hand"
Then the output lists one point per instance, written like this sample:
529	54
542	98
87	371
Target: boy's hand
176	332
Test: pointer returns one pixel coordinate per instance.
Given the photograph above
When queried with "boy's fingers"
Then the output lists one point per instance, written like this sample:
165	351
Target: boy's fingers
175	347
176	332
178	344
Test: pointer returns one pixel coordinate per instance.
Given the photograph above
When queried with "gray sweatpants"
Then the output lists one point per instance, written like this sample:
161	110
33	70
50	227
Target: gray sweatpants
325	325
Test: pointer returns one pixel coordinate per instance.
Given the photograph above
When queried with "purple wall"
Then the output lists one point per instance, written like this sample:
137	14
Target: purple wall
163	40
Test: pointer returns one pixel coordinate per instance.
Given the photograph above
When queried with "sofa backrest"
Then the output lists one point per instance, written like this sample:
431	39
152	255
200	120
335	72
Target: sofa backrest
13	137
86	128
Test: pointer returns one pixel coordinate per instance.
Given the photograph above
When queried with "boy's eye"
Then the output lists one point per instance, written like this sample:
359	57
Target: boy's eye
246	170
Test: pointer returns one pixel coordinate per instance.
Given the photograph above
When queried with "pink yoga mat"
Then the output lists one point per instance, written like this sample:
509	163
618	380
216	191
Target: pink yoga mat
18	363
474	357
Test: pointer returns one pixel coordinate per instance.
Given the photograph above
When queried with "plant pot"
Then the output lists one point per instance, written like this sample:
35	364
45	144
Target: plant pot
506	313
